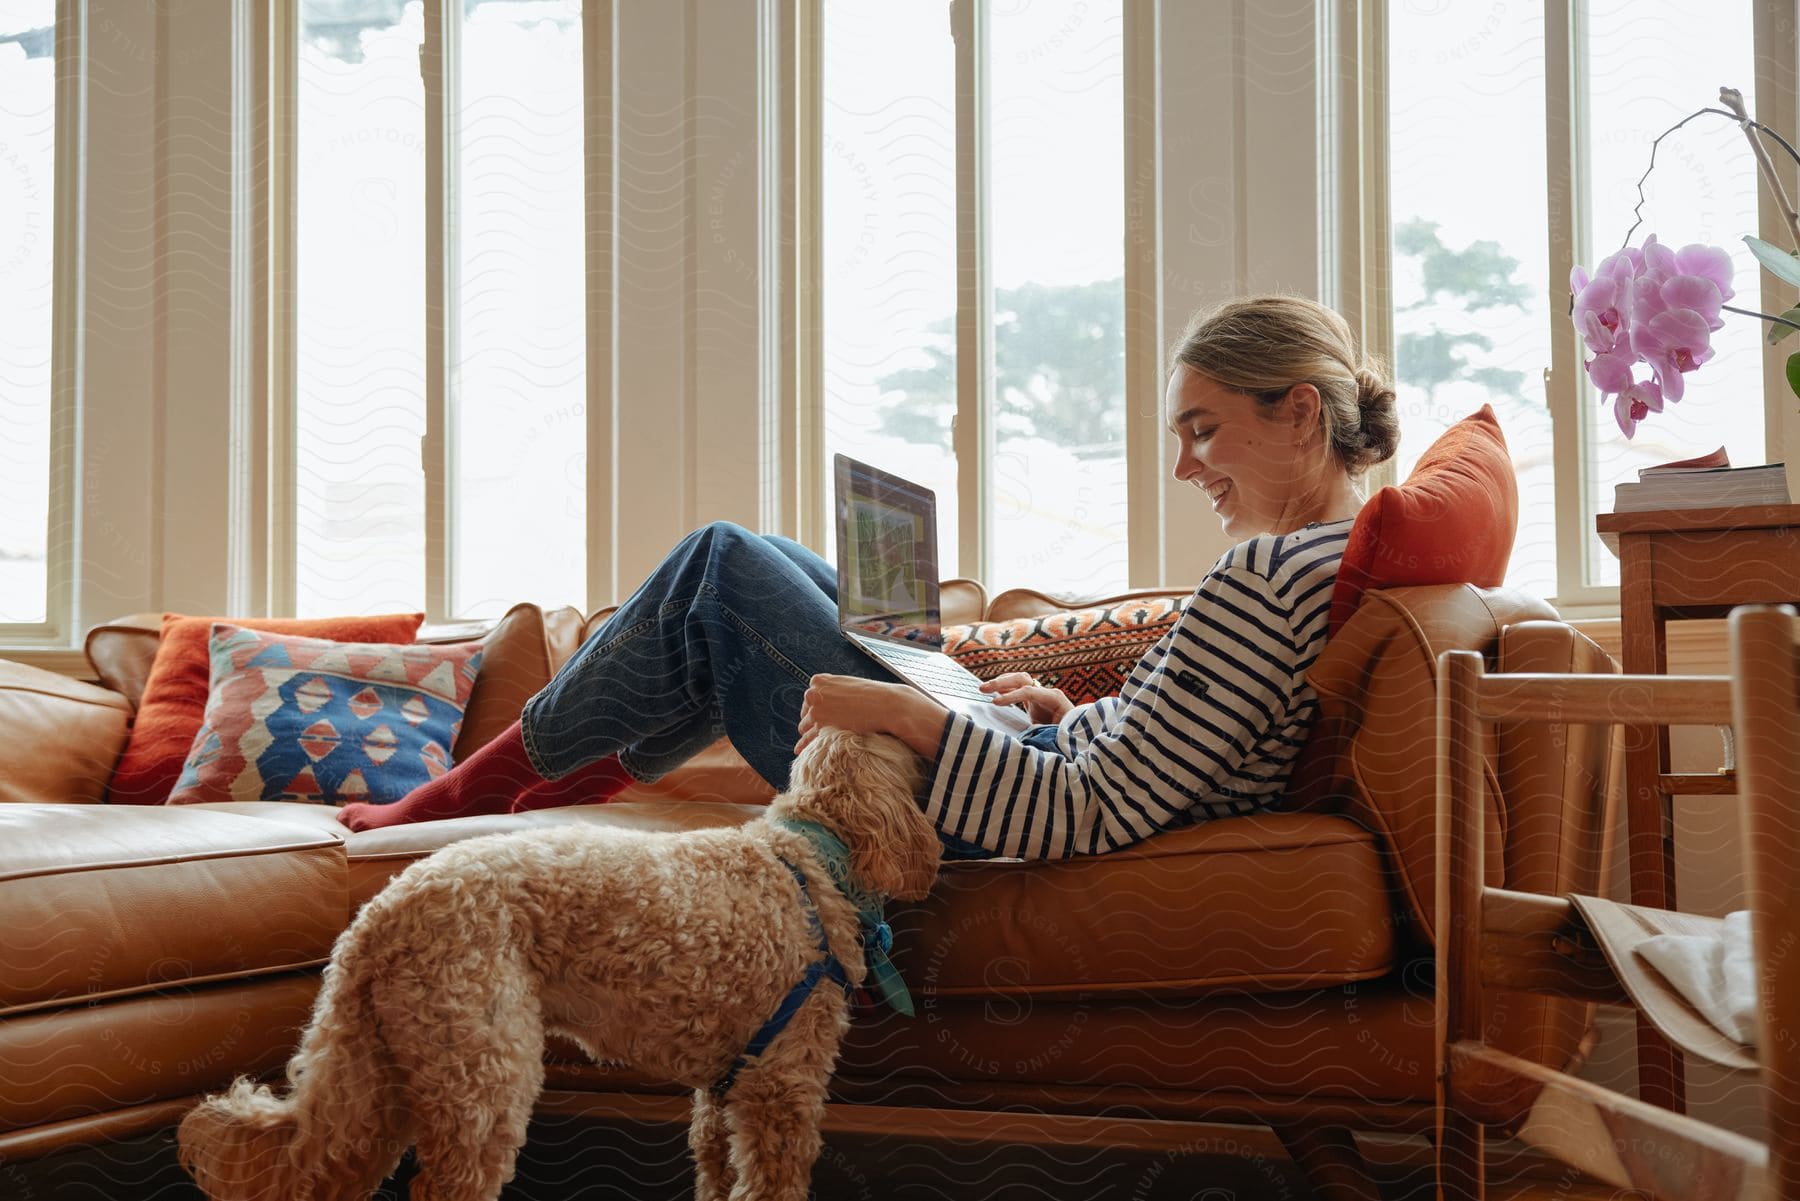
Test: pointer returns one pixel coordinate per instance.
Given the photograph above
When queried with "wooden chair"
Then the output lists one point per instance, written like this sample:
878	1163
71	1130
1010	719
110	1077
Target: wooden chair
1493	940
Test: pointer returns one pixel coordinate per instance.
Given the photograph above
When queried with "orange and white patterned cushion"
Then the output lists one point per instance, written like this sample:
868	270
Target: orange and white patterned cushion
1085	652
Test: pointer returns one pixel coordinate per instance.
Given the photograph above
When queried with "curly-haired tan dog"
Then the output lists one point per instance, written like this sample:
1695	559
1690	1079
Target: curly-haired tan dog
668	952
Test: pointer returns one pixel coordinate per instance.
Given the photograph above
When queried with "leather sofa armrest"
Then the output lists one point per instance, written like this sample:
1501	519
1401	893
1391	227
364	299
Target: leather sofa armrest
61	738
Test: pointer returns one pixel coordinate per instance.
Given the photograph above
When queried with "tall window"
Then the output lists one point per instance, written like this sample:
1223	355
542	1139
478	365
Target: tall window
27	197
1475	309
1057	231
1471	264
360	309
513	405
1052	72
517	389
888	253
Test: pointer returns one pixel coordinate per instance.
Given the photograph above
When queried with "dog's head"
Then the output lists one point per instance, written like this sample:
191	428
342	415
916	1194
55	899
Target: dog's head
860	787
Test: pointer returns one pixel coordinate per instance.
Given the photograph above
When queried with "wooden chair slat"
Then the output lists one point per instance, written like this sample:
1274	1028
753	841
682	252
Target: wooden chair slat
1635	700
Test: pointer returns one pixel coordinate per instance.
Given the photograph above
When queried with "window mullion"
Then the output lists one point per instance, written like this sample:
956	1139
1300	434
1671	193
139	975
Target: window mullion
1777	108
247	524
973	430
62	542
1355	187
1143	299
437	59
1564	102
277	292
1371	176
803	432
600	217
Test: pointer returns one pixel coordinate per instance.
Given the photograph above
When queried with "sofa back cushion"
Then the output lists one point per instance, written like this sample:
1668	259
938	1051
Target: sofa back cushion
61	736
1015	603
522	651
962	601
122	653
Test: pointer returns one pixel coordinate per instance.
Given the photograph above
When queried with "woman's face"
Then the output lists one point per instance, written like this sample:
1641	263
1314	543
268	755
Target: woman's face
1249	465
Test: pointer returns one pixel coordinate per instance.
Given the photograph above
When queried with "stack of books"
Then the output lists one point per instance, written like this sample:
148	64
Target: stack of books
1708	482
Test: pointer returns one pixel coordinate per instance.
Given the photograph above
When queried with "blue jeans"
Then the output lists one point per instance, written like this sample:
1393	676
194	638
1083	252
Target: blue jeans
722	639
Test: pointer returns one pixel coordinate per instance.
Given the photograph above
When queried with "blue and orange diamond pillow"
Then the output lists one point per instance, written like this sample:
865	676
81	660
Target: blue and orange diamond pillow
290	718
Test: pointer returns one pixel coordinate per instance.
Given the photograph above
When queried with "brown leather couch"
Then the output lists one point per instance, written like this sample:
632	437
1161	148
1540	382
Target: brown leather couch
1272	969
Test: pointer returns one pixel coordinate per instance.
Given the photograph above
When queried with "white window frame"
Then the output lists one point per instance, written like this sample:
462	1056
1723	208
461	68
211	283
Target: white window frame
62	543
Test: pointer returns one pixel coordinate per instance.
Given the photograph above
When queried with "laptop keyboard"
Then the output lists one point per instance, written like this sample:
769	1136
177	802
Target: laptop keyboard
931	670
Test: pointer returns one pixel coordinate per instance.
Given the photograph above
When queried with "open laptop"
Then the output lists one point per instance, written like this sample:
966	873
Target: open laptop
888	590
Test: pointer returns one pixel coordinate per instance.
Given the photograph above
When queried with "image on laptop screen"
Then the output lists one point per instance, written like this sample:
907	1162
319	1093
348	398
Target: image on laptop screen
887	555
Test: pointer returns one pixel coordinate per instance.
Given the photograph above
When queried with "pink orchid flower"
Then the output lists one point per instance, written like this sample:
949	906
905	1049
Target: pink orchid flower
1635	402
1673	342
1597	313
1649	305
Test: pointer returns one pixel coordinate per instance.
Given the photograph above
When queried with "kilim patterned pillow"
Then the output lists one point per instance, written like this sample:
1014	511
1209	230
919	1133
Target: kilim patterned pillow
1085	652
306	719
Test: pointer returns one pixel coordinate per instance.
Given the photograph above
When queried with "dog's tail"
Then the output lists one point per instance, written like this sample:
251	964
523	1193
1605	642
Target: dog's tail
340	1128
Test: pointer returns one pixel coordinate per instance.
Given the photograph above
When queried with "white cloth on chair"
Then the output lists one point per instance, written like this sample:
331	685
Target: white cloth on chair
1716	975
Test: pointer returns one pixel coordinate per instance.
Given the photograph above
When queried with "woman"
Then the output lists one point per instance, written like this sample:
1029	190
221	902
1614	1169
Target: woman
1276	414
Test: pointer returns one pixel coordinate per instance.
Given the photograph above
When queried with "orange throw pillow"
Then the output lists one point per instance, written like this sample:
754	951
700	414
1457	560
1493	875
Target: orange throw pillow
1452	522
174	702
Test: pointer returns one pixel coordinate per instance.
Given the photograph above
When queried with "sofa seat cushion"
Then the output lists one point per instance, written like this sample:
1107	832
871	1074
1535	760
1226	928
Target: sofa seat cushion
1271	901
1265	902
377	856
99	902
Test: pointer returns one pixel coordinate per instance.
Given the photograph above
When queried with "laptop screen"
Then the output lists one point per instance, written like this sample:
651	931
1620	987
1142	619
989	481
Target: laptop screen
887	555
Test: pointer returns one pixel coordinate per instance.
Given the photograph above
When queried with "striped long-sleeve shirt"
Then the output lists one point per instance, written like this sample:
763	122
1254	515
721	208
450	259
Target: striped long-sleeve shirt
1207	725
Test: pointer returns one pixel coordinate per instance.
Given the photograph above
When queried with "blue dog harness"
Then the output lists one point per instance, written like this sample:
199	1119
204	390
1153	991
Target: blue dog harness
883	978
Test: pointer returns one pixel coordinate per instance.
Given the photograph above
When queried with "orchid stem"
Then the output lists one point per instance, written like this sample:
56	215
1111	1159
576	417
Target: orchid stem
1765	316
1732	99
1751	128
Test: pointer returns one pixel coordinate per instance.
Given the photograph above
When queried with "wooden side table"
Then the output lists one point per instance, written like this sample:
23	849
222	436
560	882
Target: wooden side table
1683	564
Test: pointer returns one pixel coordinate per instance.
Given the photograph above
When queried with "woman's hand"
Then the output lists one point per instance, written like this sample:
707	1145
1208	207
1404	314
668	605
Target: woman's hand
1043	705
871	707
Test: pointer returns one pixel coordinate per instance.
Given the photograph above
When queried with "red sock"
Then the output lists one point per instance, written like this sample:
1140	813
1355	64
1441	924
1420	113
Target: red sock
594	784
498	778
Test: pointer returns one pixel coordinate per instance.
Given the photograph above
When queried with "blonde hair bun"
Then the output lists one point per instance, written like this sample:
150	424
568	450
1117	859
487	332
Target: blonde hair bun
1380	416
1263	346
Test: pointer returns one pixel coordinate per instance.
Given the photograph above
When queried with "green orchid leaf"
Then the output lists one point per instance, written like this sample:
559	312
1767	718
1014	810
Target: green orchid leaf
1793	373
1780	263
1778	331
